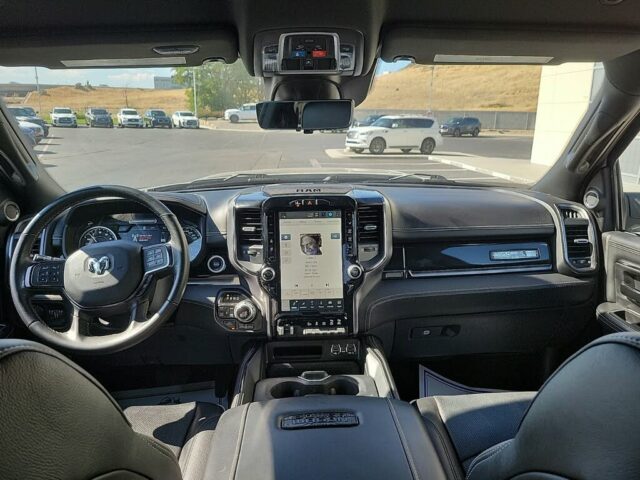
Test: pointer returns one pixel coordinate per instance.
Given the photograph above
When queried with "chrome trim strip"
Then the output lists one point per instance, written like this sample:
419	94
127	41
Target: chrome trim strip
479	271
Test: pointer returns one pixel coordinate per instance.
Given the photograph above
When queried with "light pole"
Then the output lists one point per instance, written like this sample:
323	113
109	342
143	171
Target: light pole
38	90
195	93
433	67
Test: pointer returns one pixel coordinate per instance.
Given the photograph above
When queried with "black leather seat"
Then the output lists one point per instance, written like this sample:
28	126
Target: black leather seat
57	421
584	423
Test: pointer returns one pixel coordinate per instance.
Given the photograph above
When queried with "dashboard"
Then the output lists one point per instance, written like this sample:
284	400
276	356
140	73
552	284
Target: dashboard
433	270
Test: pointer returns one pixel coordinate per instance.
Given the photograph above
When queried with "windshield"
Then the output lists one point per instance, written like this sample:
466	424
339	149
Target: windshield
523	117
99	111
157	113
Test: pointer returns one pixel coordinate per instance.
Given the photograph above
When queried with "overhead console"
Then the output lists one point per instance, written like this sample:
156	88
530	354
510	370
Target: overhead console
310	51
309	251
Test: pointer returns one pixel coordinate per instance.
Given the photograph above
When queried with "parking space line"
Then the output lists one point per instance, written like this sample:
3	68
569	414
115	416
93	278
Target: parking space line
485	171
44	149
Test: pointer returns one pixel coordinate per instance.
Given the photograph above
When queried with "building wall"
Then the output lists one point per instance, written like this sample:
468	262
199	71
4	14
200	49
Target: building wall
565	93
165	83
492	119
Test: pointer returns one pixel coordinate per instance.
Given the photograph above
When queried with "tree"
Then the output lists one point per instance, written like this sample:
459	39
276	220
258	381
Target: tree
219	86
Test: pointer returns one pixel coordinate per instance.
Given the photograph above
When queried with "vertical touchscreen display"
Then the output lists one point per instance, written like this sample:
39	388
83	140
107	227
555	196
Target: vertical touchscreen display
311	261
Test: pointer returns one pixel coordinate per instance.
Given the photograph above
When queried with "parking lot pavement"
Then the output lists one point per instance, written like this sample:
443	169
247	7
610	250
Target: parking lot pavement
152	157
416	163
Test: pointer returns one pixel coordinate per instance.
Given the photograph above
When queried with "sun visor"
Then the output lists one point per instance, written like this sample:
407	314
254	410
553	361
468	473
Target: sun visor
464	45
118	49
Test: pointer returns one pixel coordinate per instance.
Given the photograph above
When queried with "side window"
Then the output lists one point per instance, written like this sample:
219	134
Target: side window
252	108
629	166
426	123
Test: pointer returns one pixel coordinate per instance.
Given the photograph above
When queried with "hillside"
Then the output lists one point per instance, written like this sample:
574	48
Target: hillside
458	87
455	87
112	99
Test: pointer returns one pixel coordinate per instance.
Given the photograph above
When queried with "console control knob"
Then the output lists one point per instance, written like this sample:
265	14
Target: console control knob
245	311
267	274
354	272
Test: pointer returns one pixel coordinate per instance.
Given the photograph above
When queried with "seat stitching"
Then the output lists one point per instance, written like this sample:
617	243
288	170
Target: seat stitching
236	456
403	440
185	442
160	449
446	450
497	448
439	412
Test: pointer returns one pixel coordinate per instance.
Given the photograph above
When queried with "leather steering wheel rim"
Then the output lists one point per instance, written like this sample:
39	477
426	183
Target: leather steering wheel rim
139	329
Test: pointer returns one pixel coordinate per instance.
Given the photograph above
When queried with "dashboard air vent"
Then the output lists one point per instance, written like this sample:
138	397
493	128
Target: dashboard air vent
568	213
249	235
369	224
576	232
369	232
249	223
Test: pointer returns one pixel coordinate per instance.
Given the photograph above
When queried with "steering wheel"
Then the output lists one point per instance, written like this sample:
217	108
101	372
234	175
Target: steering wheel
100	281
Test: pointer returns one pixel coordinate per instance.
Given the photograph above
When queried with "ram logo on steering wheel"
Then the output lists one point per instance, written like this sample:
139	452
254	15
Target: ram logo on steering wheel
99	266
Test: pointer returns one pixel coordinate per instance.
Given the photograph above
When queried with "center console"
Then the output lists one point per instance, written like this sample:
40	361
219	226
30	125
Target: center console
312	269
321	437
306	253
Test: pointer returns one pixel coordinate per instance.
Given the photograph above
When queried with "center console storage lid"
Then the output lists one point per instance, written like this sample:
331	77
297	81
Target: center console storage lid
322	437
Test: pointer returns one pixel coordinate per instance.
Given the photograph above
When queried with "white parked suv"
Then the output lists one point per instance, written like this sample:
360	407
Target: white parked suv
403	132
129	117
185	119
246	112
63	117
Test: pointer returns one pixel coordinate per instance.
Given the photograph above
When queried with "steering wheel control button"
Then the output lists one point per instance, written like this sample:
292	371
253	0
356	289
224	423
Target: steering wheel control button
155	258
354	272
48	274
267	274
245	311
216	264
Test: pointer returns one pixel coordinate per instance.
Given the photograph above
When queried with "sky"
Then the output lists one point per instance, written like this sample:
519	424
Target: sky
120	77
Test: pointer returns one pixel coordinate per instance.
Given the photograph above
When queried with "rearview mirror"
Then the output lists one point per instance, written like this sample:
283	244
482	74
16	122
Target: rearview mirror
305	115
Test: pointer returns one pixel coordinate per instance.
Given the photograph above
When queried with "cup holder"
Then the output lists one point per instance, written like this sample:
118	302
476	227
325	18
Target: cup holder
331	386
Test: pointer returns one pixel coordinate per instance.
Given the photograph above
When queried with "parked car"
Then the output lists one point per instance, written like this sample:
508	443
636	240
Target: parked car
156	118
366	121
403	132
63	117
458	126
98	117
30	110
246	112
185	119
27	114
129	117
33	131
